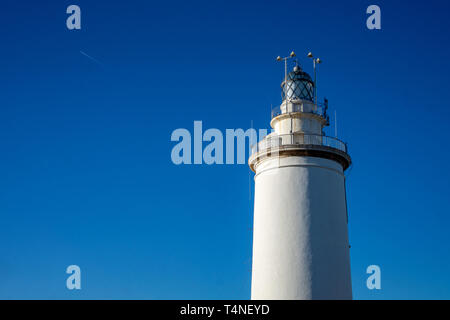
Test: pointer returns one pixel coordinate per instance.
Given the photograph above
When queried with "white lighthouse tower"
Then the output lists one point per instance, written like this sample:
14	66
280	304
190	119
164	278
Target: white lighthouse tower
300	236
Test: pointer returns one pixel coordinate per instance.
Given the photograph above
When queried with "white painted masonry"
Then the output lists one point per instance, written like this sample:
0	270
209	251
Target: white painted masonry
300	237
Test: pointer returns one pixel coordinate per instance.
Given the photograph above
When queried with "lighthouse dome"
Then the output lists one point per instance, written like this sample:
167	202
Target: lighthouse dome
299	85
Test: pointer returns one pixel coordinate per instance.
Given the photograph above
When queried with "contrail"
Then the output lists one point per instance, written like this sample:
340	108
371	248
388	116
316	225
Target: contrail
93	59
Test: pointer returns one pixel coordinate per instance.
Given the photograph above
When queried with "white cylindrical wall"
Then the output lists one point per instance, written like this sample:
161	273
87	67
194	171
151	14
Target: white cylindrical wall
300	240
299	117
303	124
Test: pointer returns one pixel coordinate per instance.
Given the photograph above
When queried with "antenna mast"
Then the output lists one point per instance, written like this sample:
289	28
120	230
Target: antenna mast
315	61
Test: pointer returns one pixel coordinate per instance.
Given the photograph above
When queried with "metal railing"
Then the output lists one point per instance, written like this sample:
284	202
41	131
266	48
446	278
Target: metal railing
298	139
320	109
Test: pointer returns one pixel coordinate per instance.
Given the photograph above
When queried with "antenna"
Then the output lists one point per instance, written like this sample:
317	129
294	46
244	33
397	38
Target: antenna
315	61
335	123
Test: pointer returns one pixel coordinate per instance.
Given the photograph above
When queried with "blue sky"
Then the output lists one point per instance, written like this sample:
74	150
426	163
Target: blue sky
86	174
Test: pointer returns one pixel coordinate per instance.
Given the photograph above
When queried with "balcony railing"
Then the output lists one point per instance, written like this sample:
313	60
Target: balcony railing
320	109
298	139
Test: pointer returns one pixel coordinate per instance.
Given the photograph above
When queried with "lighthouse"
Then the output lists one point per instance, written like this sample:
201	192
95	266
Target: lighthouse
300	234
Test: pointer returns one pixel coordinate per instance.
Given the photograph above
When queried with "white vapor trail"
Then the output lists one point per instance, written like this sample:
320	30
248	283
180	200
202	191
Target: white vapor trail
93	59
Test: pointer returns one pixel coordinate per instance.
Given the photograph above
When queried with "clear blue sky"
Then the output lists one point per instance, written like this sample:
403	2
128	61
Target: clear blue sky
86	175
